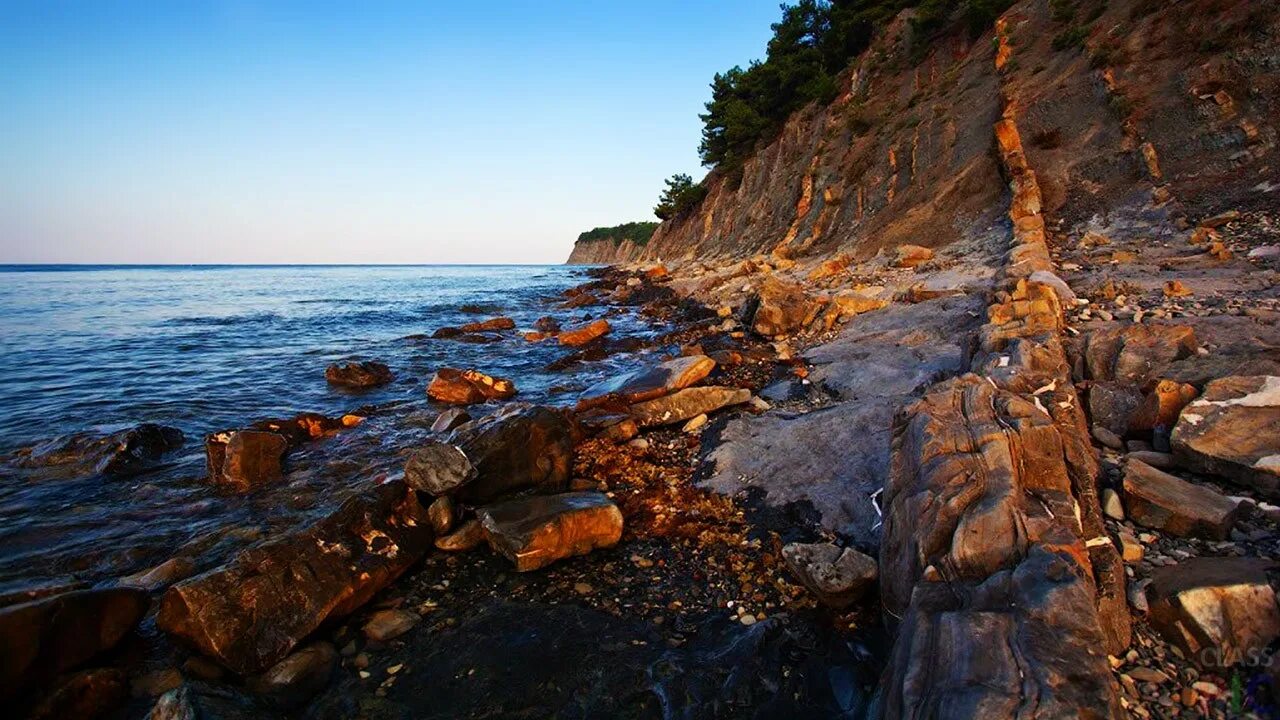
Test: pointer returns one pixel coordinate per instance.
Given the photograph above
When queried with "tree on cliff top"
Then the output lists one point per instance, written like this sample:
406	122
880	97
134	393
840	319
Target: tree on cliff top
681	195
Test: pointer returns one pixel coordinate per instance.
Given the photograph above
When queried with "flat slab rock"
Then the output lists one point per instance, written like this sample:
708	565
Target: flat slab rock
1156	499
685	404
536	531
838	576
1233	431
648	383
1218	611
250	613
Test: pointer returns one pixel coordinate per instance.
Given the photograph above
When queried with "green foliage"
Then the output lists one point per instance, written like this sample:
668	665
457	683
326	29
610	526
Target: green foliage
637	232
681	195
1072	36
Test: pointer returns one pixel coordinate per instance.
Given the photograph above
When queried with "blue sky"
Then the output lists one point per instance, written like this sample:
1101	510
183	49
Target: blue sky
146	132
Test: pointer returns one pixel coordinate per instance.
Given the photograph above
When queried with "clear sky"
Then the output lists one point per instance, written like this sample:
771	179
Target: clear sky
273	132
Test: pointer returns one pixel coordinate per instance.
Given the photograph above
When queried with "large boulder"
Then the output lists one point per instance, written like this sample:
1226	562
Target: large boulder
250	613
243	459
1233	431
467	387
838	576
686	404
1218	611
1136	353
580	335
44	637
780	309
437	468
910	256
536	531
359	375
648	383
121	454
528	447
1156	499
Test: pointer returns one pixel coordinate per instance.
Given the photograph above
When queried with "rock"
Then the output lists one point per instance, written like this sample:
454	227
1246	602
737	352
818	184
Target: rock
1111	506
547	324
779	309
686	404
1161	407
1131	551
529	447
244	459
163	575
467	387
1175	289
437	468
695	424
1066	295
498	323
1112	405
366	374
909	256
296	679
1146	674
83	695
1107	438
200	701
1231	431
1264	251
47	636
1162	461
387	625
1218	611
155	683
120	454
440	513
649	383
450	419
536	531
1136	353
296	583
839	577
467	537
831	268
583	334
1156	499
202	668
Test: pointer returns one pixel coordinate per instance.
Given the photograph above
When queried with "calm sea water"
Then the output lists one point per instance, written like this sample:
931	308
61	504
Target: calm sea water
208	348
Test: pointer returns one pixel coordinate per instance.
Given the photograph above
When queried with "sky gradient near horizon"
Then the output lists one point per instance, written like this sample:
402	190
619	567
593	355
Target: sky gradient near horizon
281	132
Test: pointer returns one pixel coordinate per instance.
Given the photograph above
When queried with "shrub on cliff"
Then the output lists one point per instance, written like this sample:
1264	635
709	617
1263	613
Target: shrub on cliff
681	195
637	232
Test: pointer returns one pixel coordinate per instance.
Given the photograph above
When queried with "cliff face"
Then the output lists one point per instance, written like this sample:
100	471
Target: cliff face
1171	105
603	251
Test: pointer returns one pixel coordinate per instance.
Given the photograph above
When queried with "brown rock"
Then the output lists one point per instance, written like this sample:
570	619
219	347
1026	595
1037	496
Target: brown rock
536	531
1175	289
1136	353
498	323
390	624
909	256
1218	611
155	682
547	324
521	448
440	513
583	334
831	268
649	383
244	459
437	468
1161	406
467	537
780	309
685	404
1159	500
44	637
450	419
839	577
83	695
1233	431
366	374
467	387
657	272
296	679
250	613
1112	405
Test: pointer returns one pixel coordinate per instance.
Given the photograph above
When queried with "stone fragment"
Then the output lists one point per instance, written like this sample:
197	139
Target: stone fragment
583	334
1107	438
1066	295
695	424
450	419
244	459
1159	460
547	324
838	577
536	531
1111	506
390	624
296	679
686	404
250	613
1156	499
53	634
648	383
909	256
163	575
359	375
1218	611
440	513
1161	406
84	695
1175	289
1112	405
468	387
1233	431
779	309
525	447
1131	551
437	468
467	537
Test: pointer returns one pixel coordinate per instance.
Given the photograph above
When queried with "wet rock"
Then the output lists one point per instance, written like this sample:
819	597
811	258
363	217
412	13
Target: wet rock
779	309
648	383
1231	431
839	577
359	375
44	637
83	695
1218	611
528	447
583	334
686	404
297	678
120	454
536	531
450	419
244	459
440	513
437	468
296	583
909	256
498	323
1156	499
467	387
200	701
163	575
387	625
467	537
547	324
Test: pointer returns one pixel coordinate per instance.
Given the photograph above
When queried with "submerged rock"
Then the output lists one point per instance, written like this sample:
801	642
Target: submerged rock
44	637
583	334
686	404
1218	611
163	575
536	531
437	468
121	454
1233	431
365	374
839	577
250	613
528	447
450	419
467	387
1159	500
648	383
245	458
